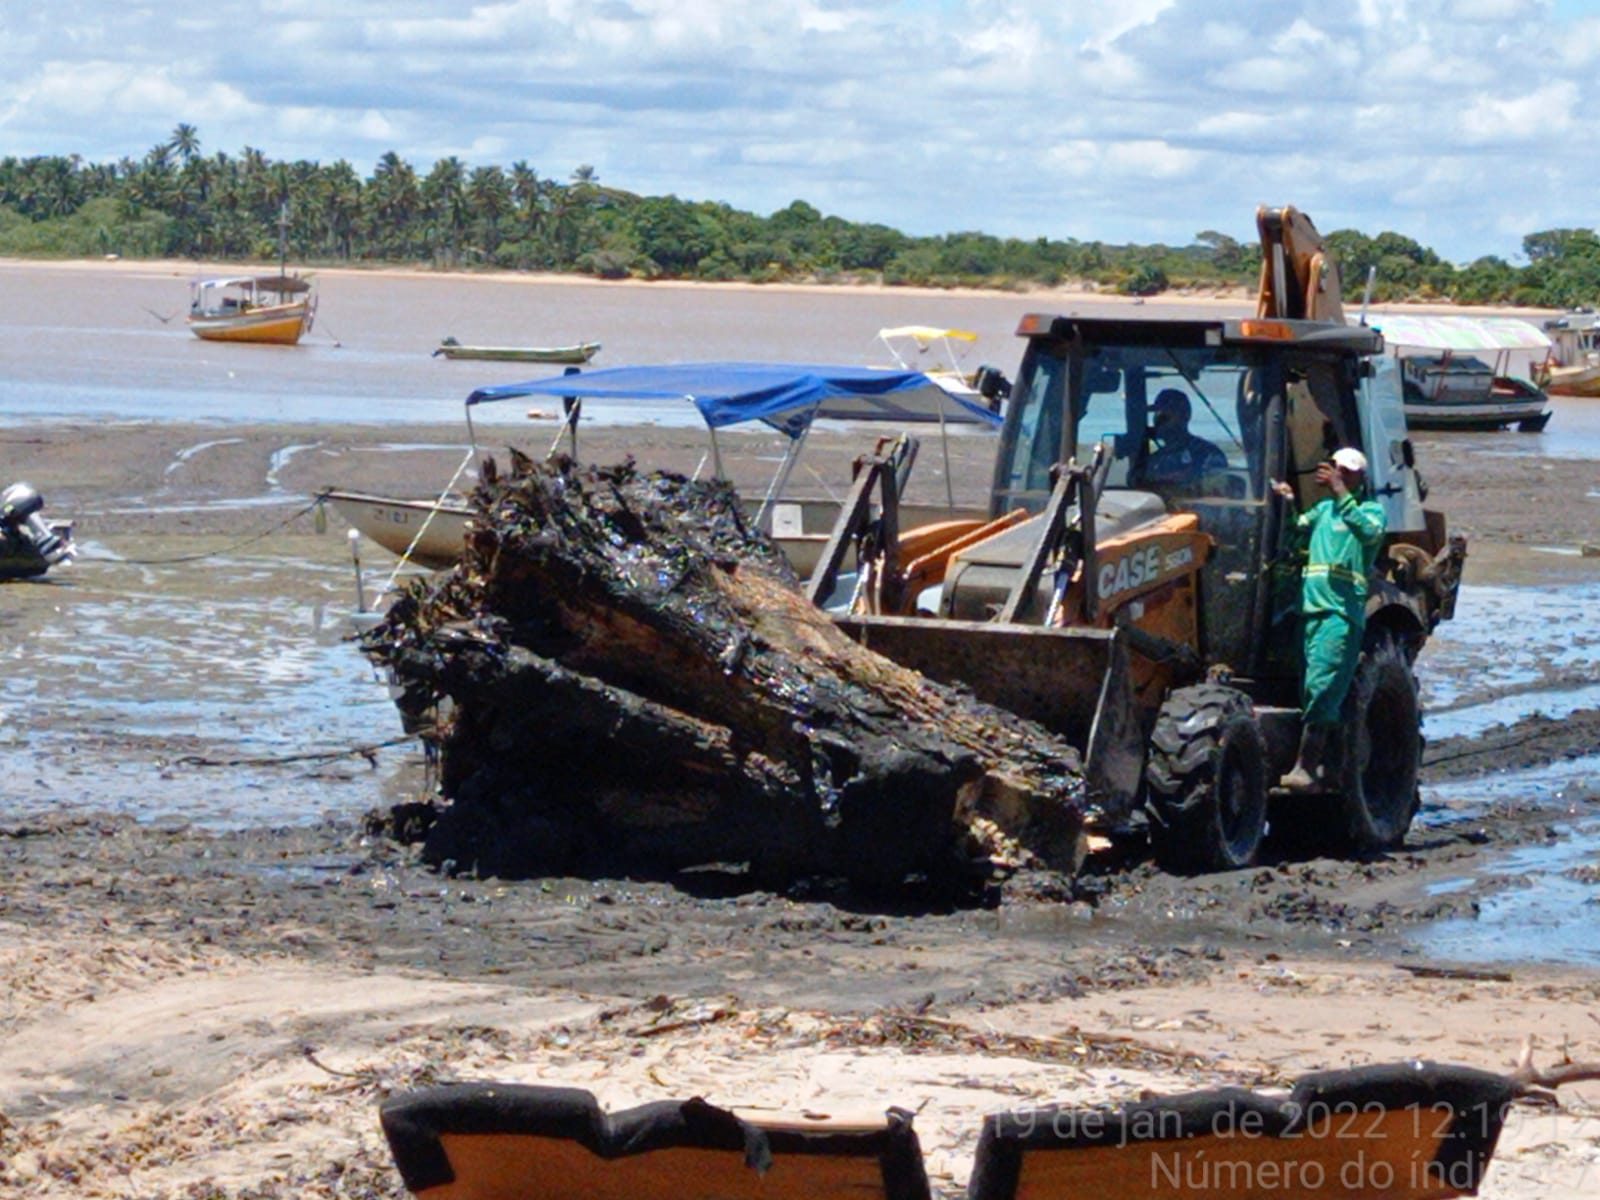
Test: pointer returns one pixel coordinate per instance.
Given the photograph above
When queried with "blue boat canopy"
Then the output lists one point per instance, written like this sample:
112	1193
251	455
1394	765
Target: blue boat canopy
787	396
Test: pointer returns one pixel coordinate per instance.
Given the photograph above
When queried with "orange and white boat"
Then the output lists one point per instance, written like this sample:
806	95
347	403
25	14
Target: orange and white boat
1573	367
268	309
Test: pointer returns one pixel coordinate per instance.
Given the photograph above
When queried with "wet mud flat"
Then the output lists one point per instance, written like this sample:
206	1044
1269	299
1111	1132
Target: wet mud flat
195	744
193	677
196	665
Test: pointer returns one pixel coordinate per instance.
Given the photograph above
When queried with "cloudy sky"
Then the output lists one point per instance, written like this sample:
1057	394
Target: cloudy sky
1462	123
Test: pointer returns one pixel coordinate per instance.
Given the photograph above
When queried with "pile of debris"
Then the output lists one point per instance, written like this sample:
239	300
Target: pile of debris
621	674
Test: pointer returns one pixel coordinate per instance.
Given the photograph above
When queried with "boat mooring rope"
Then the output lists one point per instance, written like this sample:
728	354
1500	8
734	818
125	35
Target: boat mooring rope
228	549
368	752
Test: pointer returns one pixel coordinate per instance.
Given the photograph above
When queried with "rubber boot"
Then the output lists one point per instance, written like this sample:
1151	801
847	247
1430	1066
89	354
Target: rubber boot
1306	773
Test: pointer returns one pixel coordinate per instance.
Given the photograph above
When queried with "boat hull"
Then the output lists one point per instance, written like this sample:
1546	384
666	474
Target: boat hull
278	325
1477	401
556	354
1527	417
432	533
1574	381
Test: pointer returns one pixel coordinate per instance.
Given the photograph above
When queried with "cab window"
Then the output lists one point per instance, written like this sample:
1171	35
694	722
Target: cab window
1174	422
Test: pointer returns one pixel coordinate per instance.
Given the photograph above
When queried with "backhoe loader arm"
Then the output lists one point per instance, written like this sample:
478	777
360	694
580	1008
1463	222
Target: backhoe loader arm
1299	278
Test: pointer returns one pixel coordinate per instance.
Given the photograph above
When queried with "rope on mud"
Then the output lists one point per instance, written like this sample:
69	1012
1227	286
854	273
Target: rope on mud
229	549
368	752
1477	750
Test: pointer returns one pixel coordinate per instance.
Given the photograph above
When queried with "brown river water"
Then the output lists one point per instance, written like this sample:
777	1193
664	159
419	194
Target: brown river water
211	680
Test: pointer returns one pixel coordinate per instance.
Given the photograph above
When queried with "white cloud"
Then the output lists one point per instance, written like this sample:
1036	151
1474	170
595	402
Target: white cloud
93	90
1150	160
1148	119
1529	119
1235	126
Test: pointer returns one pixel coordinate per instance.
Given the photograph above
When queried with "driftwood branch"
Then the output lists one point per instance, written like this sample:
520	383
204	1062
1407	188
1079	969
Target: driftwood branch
1530	1080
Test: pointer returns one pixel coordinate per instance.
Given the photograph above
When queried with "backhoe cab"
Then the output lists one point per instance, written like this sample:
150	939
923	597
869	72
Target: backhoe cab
1154	619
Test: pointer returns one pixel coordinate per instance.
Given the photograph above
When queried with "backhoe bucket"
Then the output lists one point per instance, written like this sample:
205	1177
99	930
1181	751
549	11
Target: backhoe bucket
1074	681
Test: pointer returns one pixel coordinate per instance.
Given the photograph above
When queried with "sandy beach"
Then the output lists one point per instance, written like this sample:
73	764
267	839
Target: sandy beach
1065	295
209	1010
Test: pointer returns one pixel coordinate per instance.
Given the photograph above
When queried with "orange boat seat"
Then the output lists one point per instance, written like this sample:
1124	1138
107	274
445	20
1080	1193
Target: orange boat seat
486	1141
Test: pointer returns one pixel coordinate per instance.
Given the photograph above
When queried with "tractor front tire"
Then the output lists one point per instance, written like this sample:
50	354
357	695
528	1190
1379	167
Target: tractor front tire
1206	777
1382	752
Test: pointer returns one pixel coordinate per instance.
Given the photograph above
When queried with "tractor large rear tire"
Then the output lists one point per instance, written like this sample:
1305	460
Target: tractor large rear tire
1382	752
1207	780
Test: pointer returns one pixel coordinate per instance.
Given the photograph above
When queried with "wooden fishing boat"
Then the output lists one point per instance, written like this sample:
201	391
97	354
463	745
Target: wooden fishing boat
1573	365
1580	380
1456	372
265	309
578	354
431	531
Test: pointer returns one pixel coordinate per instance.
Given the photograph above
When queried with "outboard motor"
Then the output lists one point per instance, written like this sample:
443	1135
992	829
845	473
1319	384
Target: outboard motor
28	546
992	385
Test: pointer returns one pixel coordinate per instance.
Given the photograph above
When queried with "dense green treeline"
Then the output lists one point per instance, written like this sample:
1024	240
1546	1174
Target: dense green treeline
177	202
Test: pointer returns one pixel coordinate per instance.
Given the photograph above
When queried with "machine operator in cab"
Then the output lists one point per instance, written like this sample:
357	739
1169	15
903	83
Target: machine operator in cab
1345	532
1181	458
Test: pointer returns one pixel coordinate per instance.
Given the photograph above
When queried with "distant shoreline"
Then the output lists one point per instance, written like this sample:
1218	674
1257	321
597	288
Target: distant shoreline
1229	298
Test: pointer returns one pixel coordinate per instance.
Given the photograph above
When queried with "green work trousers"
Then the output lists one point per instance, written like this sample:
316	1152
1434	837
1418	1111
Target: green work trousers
1333	648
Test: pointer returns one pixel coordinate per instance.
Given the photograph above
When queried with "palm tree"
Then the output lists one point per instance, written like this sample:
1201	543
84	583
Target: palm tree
340	189
570	211
159	158
533	200
490	200
444	196
185	140
525	185
392	203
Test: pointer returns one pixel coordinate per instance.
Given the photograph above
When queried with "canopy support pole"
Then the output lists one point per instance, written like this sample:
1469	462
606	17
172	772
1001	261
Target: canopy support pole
716	456
944	444
780	480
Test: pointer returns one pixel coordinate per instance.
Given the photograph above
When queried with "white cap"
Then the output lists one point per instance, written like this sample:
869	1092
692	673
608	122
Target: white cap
1350	460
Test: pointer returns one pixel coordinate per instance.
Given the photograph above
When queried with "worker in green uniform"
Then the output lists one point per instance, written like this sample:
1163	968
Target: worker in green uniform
1345	531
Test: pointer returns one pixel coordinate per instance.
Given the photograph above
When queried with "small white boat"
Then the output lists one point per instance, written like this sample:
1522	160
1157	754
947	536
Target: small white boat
431	532
427	531
1456	371
908	345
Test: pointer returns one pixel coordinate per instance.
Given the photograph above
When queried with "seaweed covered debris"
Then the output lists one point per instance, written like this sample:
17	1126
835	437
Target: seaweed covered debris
622	674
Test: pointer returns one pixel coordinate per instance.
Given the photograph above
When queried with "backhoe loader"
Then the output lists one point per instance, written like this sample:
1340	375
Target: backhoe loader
1155	621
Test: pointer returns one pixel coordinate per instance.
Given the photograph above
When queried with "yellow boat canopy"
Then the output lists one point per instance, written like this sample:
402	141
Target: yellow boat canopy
926	333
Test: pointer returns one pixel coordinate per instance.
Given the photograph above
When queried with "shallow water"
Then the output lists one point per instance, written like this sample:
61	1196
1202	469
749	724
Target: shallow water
111	344
222	692
1551	914
368	357
1498	659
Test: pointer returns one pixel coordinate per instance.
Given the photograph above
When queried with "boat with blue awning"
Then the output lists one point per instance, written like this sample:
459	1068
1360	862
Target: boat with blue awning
790	398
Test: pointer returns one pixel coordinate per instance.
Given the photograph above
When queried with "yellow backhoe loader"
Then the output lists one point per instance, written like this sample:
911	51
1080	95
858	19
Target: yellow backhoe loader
1150	616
